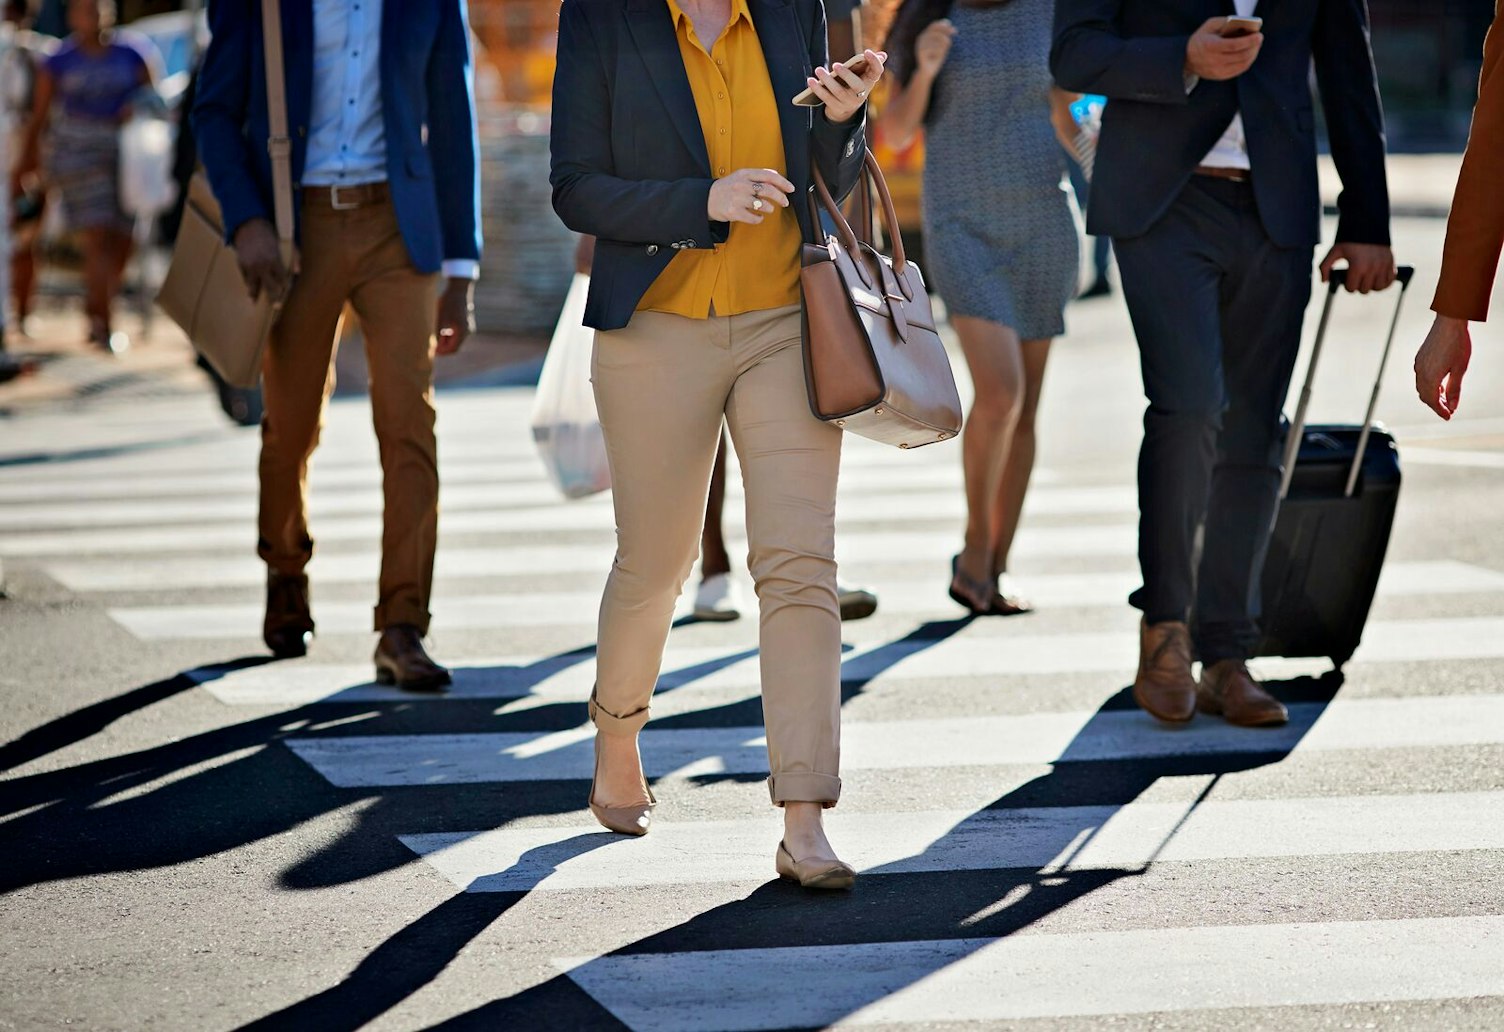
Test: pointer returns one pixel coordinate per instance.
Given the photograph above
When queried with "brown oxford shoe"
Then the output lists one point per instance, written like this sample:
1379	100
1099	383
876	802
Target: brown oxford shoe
1228	690
401	660
1164	687
289	620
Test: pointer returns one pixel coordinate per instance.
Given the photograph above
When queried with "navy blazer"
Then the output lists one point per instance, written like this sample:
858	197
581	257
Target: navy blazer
427	107
1154	134
630	165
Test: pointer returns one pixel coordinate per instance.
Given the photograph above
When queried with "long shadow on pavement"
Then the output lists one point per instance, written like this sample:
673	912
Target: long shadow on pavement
921	898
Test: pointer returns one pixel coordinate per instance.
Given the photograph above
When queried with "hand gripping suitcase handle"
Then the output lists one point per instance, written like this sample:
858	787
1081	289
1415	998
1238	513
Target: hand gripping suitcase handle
1336	281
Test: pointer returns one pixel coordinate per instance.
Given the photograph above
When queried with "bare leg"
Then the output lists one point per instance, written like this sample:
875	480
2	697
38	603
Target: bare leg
804	832
993	355
1020	465
99	262
714	558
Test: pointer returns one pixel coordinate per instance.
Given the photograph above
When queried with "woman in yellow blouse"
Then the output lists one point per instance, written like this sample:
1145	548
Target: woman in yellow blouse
676	145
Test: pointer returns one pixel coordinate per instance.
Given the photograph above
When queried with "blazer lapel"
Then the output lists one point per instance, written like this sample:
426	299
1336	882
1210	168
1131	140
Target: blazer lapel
787	55
653	29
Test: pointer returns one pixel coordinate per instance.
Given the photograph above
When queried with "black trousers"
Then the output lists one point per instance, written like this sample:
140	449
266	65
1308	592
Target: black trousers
1217	309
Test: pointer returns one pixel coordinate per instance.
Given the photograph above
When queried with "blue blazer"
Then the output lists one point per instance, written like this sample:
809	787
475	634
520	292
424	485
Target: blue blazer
1154	134
426	91
629	160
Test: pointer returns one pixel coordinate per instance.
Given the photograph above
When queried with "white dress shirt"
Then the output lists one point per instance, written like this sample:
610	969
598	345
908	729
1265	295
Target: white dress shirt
346	134
1232	150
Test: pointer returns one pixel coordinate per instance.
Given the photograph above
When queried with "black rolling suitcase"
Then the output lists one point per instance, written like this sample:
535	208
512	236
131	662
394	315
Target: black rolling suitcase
1338	496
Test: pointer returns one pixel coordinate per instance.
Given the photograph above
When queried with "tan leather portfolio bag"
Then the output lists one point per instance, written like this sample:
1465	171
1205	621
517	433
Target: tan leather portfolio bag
203	291
873	361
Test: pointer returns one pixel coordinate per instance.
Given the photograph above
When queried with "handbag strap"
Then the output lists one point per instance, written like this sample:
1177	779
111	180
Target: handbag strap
889	215
279	143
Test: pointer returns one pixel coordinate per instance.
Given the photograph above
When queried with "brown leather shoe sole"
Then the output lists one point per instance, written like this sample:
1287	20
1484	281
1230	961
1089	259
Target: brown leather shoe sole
1209	704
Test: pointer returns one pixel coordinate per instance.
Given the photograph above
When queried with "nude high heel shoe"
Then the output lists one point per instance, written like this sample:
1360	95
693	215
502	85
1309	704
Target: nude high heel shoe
813	874
624	820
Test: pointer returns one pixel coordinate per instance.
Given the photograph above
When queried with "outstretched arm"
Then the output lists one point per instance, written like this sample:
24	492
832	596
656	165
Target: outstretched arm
1475	230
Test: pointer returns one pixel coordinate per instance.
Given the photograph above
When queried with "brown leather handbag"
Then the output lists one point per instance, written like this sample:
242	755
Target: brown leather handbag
873	361
204	292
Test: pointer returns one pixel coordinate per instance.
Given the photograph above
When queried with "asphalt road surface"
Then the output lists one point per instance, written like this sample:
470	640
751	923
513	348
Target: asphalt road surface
192	837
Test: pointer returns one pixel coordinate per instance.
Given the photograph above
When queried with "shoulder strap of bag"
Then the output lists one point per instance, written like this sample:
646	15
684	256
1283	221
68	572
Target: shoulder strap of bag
279	144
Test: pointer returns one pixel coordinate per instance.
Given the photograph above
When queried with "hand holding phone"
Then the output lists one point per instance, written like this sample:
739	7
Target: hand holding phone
809	98
1236	27
1211	53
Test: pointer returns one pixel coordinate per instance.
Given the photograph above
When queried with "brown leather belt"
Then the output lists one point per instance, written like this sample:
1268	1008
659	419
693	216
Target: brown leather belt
1232	175
346	198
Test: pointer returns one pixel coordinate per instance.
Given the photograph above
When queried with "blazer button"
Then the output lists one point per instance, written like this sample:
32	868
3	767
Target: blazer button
652	250
690	243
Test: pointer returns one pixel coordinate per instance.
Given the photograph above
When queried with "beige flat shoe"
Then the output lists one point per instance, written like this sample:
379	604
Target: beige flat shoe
813	874
624	820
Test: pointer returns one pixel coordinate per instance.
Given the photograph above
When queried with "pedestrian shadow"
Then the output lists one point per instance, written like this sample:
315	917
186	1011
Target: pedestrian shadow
420	952
1027	855
74	727
138	810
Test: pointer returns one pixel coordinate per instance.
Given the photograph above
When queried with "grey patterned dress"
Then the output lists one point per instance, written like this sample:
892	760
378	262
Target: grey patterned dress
1000	239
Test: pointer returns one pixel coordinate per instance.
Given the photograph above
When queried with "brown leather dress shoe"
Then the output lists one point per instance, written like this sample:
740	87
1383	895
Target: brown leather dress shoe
402	661
1228	690
1164	686
288	626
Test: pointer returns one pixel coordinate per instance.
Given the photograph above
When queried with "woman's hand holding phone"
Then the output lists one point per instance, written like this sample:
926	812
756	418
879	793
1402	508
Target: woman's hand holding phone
843	88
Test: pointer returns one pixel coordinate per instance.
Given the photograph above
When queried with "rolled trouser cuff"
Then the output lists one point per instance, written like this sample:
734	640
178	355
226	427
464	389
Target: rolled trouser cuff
617	724
804	786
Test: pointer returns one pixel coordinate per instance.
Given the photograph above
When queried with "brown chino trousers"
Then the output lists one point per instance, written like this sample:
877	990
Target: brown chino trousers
663	385
355	255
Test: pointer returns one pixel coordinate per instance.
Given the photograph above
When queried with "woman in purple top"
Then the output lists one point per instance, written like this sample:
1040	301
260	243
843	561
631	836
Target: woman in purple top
83	94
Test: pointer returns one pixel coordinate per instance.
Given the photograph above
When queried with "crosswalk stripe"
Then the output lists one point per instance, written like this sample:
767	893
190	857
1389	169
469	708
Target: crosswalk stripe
1050	976
544	609
592	515
511	504
372	761
521	470
1063	838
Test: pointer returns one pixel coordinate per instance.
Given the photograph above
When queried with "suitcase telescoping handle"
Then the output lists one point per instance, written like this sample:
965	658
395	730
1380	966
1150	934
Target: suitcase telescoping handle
1337	280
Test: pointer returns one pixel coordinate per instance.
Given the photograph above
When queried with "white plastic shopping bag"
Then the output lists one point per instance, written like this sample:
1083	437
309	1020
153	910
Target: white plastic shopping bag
566	427
146	151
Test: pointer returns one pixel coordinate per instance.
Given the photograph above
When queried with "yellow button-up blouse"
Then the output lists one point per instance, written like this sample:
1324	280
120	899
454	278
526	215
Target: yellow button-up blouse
758	266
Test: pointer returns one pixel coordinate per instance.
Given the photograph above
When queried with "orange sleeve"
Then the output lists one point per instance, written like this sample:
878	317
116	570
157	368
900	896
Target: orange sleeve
1475	229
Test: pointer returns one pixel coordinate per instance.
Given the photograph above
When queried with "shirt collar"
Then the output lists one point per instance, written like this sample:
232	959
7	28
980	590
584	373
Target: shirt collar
739	9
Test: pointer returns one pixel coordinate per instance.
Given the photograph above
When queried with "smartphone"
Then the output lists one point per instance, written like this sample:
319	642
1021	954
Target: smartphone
1235	27
857	64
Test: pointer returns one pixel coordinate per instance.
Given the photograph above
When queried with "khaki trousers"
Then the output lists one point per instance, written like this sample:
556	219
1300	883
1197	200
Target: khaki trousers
663	385
355	255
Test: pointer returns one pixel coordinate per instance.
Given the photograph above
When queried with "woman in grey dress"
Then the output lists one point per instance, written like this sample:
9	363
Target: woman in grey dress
1000	239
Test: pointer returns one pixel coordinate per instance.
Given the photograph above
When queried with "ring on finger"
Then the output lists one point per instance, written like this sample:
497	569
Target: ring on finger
756	189
757	204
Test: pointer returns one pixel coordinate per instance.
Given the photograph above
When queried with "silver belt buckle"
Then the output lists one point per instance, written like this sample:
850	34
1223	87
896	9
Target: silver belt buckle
337	204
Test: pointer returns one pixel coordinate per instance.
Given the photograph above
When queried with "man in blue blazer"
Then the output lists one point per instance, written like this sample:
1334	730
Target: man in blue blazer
385	168
1206	181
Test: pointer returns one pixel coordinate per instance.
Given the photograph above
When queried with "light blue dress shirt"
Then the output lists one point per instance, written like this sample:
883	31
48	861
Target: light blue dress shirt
346	134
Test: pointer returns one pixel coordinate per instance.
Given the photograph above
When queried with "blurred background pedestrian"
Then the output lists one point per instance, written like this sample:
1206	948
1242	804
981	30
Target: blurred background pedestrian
83	95
1000	240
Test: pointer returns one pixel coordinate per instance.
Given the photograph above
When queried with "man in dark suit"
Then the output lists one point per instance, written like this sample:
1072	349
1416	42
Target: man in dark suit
385	163
1206	181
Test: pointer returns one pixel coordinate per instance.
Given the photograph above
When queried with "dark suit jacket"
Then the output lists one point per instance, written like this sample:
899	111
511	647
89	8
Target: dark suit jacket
1475	230
427	105
630	165
1154	135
